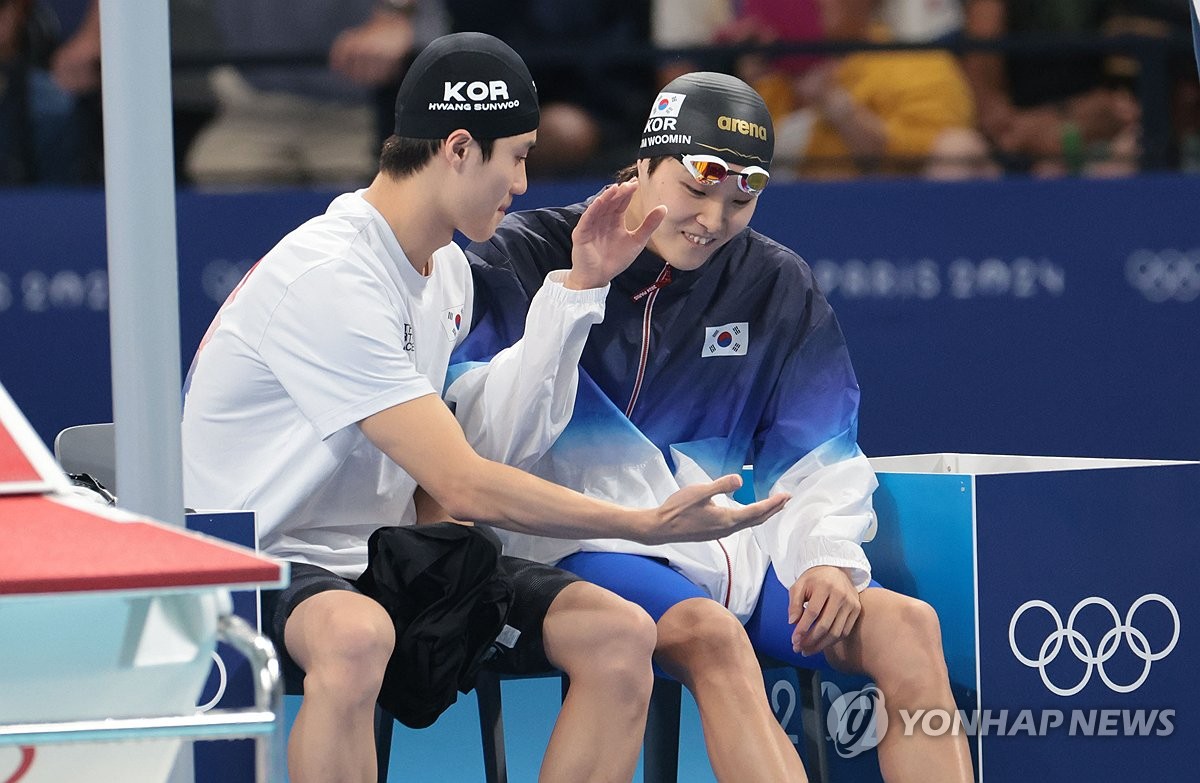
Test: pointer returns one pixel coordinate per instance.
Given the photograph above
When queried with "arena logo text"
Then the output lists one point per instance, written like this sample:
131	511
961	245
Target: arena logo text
744	127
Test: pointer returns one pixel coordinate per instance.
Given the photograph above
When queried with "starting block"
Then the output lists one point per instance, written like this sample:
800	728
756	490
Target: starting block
110	621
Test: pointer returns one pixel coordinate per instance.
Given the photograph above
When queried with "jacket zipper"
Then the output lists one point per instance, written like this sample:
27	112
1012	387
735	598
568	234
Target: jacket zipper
728	573
649	293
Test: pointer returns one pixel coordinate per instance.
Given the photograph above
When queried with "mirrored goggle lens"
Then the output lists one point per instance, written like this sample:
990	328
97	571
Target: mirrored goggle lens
708	172
753	180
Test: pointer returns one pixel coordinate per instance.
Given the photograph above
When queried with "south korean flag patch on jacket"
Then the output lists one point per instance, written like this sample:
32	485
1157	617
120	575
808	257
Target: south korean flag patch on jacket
726	340
452	322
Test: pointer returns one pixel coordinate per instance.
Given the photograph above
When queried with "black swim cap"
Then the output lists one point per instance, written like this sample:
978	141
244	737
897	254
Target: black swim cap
710	113
467	80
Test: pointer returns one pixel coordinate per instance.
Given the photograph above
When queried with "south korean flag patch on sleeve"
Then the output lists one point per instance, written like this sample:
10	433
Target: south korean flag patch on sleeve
452	322
726	340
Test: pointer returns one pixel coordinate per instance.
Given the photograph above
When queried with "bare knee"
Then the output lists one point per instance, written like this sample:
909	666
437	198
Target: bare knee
914	658
917	626
362	641
700	633
342	644
596	636
625	637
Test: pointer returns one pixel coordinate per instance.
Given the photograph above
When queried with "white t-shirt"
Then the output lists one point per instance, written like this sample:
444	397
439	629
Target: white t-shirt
331	326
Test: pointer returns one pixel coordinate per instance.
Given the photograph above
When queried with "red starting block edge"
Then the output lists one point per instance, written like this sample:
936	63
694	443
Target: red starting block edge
59	545
26	465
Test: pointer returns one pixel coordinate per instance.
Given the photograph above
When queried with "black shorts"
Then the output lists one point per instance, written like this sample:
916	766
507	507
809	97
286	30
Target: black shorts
535	586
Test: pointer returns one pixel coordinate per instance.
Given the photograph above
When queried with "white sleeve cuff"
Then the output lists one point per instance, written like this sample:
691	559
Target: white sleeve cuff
555	287
817	550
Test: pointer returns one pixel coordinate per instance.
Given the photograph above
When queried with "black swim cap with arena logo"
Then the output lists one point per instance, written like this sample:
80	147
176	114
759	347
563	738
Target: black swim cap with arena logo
472	81
706	113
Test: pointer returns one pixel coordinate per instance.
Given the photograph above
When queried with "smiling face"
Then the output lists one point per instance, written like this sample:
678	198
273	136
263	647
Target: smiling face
700	218
490	186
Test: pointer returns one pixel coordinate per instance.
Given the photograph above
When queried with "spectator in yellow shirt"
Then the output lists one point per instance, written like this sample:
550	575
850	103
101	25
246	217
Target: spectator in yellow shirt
880	112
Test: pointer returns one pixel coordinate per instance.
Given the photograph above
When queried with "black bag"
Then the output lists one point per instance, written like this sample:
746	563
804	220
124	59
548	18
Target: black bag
448	603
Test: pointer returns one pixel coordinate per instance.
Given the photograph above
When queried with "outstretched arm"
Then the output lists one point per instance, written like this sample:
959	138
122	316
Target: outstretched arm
423	438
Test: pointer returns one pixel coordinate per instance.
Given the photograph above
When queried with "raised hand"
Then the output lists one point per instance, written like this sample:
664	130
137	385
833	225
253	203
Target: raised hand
602	247
824	606
690	514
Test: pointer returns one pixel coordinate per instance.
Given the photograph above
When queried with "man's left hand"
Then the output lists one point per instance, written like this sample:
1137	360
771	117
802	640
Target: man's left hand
824	606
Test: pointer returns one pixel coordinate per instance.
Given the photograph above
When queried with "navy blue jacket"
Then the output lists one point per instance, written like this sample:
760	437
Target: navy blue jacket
791	390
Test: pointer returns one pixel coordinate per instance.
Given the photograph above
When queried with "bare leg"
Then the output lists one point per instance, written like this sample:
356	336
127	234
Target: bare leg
703	645
897	642
604	644
343	641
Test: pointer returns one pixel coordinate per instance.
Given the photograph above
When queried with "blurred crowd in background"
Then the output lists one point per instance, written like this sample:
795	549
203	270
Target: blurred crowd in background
279	92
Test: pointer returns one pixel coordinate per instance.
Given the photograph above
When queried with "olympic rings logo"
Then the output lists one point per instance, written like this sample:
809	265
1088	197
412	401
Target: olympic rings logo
1082	648
1169	274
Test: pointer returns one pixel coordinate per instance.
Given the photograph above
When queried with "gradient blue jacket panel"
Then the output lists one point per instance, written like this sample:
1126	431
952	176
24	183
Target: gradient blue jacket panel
780	387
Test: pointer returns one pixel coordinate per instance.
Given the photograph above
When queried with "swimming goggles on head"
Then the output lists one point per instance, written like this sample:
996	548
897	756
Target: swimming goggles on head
710	170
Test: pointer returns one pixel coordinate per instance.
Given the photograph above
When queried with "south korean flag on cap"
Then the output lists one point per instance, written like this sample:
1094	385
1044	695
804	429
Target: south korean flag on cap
726	340
452	322
667	104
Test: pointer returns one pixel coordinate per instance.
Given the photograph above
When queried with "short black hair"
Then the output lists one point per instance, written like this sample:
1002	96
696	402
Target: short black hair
403	156
630	171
